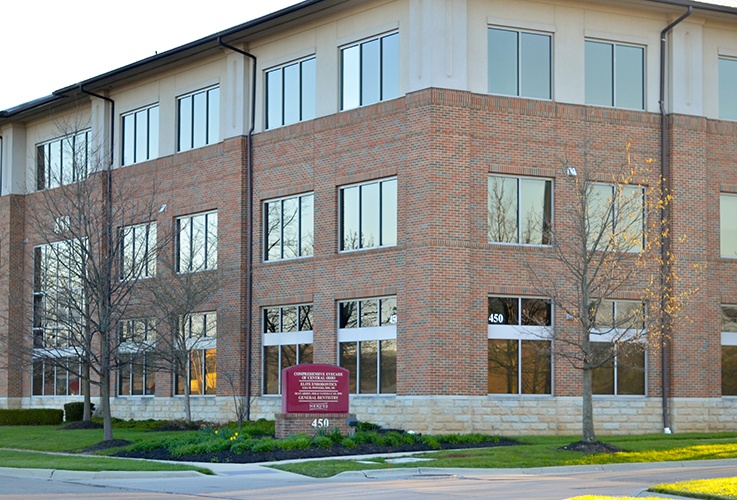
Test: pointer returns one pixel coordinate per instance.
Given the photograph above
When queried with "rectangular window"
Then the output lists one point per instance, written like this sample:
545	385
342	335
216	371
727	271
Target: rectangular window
520	210
519	352
729	350
137	251
135	372
289	227
287	341
616	218
728	225
370	71
291	93
141	135
200	336
63	161
367	337
197	242
727	88
519	63
368	215
56	376
199	119
615	75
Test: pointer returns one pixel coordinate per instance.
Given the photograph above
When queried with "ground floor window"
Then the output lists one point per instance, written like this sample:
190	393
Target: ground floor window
729	350
624	373
287	341
367	337
135	376
199	331
519	345
54	376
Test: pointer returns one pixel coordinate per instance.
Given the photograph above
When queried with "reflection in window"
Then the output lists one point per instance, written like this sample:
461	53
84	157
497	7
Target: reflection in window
727	88
289	227
62	161
519	63
729	350
368	215
728	225
199	331
616	217
141	135
199	119
291	93
197	242
138	251
370	71
615	75
287	340
56	376
520	210
621	374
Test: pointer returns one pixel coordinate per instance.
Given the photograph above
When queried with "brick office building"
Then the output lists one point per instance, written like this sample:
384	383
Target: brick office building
374	135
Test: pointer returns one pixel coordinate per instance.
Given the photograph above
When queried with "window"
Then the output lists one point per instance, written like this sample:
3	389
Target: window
367	337
519	63
287	340
728	225
727	88
62	161
138	251
291	93
618	345
289	227
615	75
58	295
520	210
370	71
56	376
616	218
135	372
141	135
199	119
197	242
368	215
200	340
519	353
729	350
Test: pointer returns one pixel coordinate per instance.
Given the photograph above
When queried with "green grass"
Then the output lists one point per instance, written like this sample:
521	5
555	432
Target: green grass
35	460
543	451
710	489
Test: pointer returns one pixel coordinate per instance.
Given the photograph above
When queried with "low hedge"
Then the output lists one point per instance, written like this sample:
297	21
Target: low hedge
32	416
74	411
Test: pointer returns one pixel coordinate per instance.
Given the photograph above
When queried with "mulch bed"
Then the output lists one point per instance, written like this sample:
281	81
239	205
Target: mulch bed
595	447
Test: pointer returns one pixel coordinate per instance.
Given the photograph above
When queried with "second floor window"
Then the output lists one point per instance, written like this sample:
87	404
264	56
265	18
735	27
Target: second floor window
520	210
289	228
370	71
138	251
62	161
141	135
199	119
519	63
291	93
368	215
615	216
197	242
615	75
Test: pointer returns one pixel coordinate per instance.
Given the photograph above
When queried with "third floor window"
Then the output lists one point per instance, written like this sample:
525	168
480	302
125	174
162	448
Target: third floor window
615	75
62	161
141	135
370	71
727	88
290	93
519	63
199	119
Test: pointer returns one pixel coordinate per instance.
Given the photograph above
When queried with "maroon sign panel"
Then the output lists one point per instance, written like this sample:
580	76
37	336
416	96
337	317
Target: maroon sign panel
314	389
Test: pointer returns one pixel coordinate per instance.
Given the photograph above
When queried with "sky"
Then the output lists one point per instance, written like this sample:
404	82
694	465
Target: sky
47	44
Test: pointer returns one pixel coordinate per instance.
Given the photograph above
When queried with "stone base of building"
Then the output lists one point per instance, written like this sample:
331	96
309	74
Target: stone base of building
508	416
289	424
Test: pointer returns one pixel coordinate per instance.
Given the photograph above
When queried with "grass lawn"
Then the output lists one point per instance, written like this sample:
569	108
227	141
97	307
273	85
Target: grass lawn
716	489
543	451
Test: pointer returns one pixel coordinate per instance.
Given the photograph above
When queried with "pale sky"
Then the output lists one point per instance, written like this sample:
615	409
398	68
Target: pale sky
48	44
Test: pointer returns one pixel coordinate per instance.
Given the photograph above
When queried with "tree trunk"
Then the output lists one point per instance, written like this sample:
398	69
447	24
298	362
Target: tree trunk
85	382
107	419
187	406
587	417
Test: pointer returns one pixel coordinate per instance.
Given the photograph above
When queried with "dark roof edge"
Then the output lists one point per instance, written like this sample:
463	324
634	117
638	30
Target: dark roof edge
699	5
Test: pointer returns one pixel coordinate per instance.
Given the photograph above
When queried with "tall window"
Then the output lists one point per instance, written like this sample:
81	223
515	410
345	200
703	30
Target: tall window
619	339
56	376
370	71
197	242
727	88
141	135
615	75
616	217
367	336
519	63
368	215
289	227
729	350
200	340
291	93
62	161
728	225
520	210
136	373
199	119
519	347
287	340
138	251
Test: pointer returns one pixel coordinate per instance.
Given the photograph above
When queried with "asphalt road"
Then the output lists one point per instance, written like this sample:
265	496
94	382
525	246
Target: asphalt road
258	482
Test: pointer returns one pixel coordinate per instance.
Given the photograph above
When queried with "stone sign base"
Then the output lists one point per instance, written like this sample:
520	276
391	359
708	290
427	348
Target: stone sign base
288	424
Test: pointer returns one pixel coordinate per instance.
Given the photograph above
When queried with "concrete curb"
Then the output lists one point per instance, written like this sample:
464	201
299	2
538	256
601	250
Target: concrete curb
72	475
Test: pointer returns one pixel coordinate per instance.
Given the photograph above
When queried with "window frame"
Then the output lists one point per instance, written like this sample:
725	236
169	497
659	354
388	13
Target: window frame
147	259
519	180
614	77
519	74
199	346
727	231
303	111
138	353
381	84
722	85
45	178
360	208
211	122
614	214
728	339
298	338
209	245
151	135
301	220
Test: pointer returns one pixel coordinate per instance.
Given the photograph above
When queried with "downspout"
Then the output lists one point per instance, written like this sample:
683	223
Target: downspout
112	119
665	266
249	216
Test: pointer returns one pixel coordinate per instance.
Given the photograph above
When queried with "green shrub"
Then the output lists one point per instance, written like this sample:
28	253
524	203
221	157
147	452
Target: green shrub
296	442
242	445
431	441
32	416
74	412
348	443
264	445
322	442
367	427
450	438
367	437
